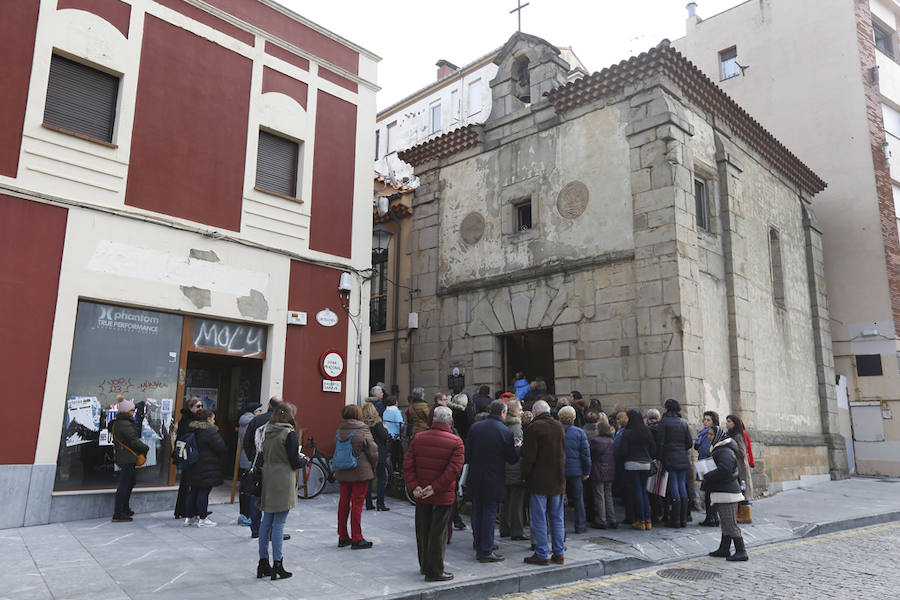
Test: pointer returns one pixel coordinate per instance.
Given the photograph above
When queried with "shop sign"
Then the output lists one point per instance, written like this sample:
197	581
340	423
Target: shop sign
326	318
331	364
234	339
331	386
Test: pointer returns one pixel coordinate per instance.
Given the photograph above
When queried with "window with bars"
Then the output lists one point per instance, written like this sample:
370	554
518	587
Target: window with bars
378	302
277	164
81	99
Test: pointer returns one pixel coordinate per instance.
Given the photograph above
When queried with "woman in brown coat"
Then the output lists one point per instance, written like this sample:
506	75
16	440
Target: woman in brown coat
354	481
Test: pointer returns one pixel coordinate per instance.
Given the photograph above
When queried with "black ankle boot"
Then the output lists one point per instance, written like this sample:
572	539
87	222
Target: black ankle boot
278	571
675	513
685	511
263	569
724	550
740	552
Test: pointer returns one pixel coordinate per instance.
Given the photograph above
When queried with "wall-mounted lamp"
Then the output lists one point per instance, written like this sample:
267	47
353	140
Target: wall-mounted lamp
381	238
873	75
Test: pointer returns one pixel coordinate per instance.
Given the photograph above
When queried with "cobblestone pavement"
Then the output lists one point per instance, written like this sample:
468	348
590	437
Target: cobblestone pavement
853	564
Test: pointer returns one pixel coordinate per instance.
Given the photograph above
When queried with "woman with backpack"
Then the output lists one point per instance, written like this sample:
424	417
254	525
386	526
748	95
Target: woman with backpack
281	457
204	474
188	415
354	461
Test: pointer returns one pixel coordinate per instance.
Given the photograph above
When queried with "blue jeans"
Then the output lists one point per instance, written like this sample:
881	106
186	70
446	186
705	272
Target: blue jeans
198	502
272	527
638	482
677	486
255	514
575	491
540	506
381	471
484	518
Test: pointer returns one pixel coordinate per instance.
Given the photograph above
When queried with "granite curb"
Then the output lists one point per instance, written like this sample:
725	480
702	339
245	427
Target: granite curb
555	575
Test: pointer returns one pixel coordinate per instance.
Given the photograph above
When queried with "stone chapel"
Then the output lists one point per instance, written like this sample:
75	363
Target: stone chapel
634	235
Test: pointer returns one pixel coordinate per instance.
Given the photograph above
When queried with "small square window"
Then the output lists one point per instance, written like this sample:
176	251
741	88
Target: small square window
729	63
701	204
81	99
868	365
523	216
277	164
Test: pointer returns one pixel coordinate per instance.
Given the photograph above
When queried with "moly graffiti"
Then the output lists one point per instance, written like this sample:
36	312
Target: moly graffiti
240	340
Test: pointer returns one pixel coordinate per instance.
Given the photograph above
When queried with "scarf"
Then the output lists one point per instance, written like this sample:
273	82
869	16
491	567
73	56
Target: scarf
720	434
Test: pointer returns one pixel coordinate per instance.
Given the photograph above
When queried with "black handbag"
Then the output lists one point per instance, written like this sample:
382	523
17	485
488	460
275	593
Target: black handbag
251	482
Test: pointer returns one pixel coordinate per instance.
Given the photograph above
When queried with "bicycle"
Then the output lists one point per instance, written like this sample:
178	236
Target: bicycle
317	472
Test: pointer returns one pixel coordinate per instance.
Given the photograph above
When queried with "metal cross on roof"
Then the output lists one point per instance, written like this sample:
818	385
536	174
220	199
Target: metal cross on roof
518	9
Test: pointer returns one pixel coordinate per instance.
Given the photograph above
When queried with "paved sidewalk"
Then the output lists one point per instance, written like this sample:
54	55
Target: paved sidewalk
156	557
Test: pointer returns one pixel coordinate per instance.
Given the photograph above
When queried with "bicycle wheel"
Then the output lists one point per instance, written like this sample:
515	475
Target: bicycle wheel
313	475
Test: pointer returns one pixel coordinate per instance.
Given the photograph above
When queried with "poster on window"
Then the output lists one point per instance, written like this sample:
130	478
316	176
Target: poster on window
208	396
82	420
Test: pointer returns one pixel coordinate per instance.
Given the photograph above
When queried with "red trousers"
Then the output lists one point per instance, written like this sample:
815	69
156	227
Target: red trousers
353	497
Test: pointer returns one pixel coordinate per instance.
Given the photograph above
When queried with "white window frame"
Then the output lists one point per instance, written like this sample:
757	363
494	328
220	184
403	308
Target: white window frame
728	65
474	97
434	116
391	135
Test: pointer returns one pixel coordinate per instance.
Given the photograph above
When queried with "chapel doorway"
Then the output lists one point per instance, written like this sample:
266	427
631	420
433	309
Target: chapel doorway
530	352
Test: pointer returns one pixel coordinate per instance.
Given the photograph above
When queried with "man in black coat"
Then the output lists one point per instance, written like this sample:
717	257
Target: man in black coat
128	445
249	445
482	401
489	446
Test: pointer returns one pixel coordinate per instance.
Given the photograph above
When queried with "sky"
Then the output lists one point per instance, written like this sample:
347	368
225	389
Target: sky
411	35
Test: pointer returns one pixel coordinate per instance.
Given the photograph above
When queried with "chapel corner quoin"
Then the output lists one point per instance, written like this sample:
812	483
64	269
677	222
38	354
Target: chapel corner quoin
616	285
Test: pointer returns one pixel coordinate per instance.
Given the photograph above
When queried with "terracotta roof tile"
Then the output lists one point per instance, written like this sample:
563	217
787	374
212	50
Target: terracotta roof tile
444	145
698	89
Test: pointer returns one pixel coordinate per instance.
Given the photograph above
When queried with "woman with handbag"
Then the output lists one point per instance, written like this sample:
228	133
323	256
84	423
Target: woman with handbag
674	440
129	451
278	493
735	427
725	493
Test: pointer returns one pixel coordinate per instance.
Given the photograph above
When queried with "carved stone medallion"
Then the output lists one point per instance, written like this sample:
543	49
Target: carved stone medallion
472	228
572	200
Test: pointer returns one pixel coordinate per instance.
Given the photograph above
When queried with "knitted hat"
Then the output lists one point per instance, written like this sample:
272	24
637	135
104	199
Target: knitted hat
126	406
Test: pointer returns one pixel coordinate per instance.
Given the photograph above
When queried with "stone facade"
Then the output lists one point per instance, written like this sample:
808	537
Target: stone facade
644	304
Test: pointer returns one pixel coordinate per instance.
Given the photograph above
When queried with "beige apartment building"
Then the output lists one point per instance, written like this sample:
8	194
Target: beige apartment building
824	78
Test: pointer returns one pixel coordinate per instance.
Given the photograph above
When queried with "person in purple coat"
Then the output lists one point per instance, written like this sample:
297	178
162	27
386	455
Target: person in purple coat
603	471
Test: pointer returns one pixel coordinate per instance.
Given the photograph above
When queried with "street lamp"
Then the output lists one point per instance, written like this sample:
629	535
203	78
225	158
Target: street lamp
381	237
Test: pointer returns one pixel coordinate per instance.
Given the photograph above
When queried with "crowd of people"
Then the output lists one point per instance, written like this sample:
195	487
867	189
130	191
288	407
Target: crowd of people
519	457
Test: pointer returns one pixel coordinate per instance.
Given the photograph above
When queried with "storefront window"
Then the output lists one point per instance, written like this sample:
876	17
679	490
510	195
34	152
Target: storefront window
116	351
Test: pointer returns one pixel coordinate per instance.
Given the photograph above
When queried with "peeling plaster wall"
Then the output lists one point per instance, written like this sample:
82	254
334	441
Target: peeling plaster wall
138	264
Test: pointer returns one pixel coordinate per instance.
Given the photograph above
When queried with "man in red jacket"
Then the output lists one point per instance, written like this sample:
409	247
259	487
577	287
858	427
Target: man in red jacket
431	467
